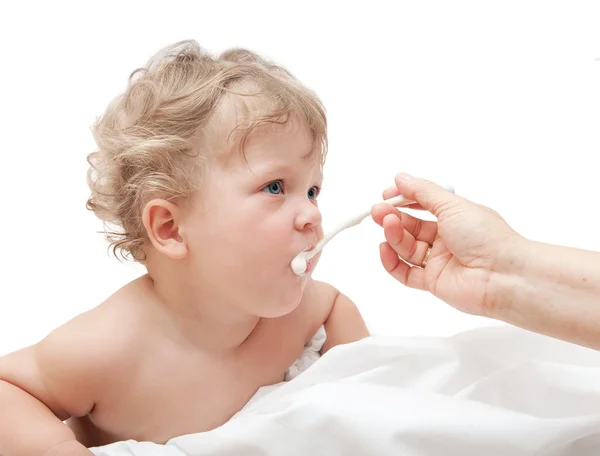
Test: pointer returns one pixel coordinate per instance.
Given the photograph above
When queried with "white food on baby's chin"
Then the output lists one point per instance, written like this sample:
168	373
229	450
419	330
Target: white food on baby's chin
299	264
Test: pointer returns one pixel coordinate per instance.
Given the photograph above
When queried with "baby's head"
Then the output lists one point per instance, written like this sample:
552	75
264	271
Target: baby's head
208	169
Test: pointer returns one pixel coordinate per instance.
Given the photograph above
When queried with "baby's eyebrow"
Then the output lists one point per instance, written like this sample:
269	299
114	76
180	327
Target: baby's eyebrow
281	168
272	168
268	170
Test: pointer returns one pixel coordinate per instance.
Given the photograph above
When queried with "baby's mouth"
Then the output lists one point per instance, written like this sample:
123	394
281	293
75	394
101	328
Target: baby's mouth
301	264
309	267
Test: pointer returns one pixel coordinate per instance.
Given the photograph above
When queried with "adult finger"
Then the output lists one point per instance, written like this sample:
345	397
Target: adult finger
429	195
422	230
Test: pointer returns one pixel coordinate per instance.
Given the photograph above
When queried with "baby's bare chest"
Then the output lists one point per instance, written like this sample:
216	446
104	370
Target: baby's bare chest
175	392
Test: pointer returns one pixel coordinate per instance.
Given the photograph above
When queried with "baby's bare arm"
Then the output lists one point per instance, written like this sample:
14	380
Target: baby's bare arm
42	385
344	324
28	427
343	321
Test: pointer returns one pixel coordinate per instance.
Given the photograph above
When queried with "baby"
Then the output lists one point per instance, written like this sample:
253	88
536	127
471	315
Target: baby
208	170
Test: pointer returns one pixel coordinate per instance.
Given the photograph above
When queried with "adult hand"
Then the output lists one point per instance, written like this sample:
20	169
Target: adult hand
467	244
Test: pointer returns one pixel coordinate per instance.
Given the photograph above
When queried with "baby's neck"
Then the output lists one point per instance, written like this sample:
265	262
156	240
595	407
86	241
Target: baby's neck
199	320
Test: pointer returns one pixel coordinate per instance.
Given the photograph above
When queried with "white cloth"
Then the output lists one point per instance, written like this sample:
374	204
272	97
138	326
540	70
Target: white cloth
311	353
496	392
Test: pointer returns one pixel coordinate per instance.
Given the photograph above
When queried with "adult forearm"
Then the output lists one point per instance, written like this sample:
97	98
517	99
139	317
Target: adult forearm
548	289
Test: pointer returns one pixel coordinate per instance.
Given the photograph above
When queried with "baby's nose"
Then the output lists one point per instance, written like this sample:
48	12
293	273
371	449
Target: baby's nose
308	217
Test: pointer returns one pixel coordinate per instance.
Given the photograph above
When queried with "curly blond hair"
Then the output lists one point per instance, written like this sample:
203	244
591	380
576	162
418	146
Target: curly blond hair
149	138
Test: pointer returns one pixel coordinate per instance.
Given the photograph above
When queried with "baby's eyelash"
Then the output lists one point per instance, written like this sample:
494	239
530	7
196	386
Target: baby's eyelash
280	187
276	181
314	189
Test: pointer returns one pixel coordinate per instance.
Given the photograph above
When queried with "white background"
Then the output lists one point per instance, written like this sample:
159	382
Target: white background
500	99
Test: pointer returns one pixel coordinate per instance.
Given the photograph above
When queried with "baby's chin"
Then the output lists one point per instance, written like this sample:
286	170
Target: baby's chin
284	305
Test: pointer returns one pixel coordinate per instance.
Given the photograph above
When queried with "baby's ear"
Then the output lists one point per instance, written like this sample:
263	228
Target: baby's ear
161	220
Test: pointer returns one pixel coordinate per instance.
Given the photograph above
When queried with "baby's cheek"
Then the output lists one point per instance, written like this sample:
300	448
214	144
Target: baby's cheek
268	247
277	233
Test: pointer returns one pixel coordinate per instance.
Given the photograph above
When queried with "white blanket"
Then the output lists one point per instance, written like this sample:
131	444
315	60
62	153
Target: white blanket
495	391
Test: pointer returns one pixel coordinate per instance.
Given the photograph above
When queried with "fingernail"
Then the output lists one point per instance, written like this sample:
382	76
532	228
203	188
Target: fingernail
404	176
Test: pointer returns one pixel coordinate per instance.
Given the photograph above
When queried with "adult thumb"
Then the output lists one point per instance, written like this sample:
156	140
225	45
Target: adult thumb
430	196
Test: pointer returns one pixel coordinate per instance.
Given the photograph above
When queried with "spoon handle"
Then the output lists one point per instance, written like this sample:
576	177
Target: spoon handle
397	201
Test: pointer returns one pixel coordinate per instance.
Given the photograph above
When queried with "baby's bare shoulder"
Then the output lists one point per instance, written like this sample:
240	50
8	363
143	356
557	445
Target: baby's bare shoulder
104	336
340	316
68	370
319	298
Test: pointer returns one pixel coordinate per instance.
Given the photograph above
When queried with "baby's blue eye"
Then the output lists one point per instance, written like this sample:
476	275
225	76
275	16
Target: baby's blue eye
313	192
274	187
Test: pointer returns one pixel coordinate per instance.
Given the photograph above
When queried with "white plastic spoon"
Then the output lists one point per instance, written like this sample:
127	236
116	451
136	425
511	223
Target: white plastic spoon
300	261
